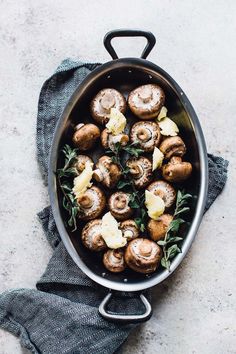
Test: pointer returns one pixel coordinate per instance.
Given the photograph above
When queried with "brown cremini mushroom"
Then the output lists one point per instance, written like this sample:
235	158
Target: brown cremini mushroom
103	102
143	255
85	136
109	140
164	190
80	162
141	170
157	228
176	170
118	204
91	203
129	229
114	261
91	236
107	172
146	134
173	146
146	101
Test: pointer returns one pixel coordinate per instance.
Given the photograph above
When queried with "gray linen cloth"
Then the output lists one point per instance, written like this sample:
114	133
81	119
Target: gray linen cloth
61	316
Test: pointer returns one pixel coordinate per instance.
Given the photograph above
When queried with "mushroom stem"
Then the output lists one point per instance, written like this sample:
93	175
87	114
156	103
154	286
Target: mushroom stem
97	175
144	134
85	201
78	126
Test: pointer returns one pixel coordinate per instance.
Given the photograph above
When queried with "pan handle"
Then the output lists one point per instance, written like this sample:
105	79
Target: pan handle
151	40
115	317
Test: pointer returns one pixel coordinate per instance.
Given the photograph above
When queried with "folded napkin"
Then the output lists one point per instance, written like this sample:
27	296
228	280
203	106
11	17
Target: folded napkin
61	316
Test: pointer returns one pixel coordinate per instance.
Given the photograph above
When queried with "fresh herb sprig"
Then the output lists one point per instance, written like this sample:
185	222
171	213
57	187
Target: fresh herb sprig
170	243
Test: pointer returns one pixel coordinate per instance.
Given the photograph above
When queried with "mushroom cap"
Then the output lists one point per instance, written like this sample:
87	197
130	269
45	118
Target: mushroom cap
173	146
107	172
176	170
146	134
114	261
92	203
103	102
109	140
91	236
80	162
141	171
129	229
143	255
157	228
146	101
85	136
118	204
164	190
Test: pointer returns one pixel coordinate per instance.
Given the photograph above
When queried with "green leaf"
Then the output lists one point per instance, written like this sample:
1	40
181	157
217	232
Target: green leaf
172	251
174	239
142	227
133	151
121	184
161	243
165	263
181	211
134	204
175	224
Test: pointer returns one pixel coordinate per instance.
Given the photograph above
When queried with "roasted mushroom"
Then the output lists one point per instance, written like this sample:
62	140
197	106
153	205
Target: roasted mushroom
157	228
91	203
80	162
146	101
164	190
109	140
114	261
85	136
118	204
107	172
143	255
141	171
103	102
129	229
91	236
146	134
176	170
173	146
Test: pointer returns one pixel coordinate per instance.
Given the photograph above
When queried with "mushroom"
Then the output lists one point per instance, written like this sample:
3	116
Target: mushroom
107	172
141	170
103	102
109	140
146	134
85	136
176	170
114	261
91	236
118	204
164	190
173	146
157	228
80	162
129	229
91	203
143	255
146	101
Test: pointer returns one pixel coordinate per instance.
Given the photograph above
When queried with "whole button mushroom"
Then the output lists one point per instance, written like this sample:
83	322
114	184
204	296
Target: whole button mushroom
173	146
157	228
85	136
92	203
114	261
164	190
176	170
109	140
146	101
107	172
103	102
143	255
118	204
80	162
146	134
91	236
129	229
141	171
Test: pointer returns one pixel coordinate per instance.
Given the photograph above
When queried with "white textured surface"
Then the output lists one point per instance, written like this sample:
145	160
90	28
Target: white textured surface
195	310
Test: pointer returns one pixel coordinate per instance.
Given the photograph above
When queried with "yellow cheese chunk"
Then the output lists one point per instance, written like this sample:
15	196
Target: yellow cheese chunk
83	181
117	122
168	127
162	114
111	233
155	205
157	158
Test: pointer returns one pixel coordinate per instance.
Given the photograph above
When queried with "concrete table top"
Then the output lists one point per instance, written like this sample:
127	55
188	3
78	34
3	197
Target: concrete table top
195	309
